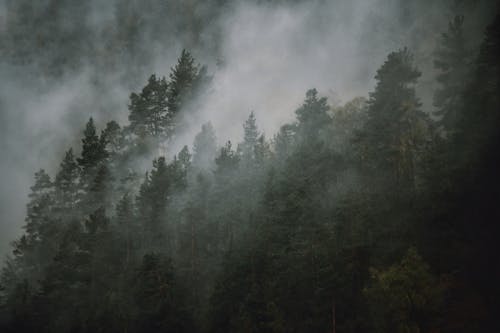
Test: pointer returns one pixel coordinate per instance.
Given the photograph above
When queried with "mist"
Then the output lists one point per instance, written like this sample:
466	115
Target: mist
269	54
64	62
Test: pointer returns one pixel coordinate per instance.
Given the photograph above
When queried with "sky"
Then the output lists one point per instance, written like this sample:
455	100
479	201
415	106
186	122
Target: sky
263	56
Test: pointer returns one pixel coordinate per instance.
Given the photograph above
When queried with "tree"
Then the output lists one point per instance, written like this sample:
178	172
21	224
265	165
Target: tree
227	160
93	149
67	182
405	297
182	80
152	201
99	192
184	158
40	205
205	148
452	59
159	297
312	118
395	126
250	137
284	141
113	138
148	110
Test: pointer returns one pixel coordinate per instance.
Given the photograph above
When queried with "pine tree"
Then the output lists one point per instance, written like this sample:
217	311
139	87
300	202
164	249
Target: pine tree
205	148
262	151
159	297
312	118
395	124
125	219
93	148
283	141
100	190
227	160
250	137
148	110
184	158
67	182
113	137
182	79
39	206
452	61
97	221
152	201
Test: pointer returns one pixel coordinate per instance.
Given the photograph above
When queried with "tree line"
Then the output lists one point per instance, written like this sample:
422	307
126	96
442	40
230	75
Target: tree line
373	216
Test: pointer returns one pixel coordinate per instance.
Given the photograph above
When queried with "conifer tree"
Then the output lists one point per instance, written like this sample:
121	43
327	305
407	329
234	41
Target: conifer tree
184	158
127	227
453	62
148	110
93	148
227	160
39	206
152	200
205	148
182	79
312	116
395	124
99	192
250	137
67	182
113	137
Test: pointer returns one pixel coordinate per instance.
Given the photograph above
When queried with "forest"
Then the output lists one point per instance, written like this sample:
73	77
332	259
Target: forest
373	215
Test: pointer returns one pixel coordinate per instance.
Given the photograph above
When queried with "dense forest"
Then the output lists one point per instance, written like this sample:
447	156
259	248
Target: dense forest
376	215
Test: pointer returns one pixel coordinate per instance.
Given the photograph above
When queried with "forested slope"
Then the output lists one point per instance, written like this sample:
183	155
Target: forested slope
373	216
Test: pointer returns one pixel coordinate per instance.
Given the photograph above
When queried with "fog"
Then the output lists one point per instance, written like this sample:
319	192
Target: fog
263	57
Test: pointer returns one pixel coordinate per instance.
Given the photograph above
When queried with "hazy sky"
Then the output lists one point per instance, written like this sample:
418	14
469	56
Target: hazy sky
269	55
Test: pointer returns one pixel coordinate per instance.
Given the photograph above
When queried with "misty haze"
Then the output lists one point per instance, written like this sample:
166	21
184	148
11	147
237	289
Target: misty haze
249	166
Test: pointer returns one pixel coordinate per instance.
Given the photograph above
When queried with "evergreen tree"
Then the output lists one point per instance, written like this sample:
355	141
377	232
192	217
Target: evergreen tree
227	160
182	80
284	141
405	297
93	149
113	137
152	201
262	151
452	60
395	125
250	137
127	227
148	110
159	298
100	190
67	182
184	158
312	118
205	148
39	206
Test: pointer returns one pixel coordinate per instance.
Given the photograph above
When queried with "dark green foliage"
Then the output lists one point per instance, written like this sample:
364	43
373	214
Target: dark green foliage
93	148
315	231
152	200
452	60
182	83
395	127
405	297
148	110
66	183
156	293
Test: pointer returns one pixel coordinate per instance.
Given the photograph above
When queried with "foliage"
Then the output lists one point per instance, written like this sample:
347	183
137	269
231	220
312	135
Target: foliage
303	233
